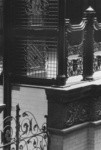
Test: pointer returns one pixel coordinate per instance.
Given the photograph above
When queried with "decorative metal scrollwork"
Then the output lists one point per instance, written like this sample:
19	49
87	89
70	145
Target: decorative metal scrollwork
36	57
97	57
74	52
97	63
75	60
97	46
36	9
31	135
75	67
8	132
24	133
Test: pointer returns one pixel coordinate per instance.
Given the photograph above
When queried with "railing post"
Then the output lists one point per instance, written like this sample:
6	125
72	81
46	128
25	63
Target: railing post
62	61
17	126
6	73
88	45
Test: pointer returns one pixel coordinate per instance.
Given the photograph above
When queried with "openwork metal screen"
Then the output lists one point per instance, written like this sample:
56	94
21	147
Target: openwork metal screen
35	40
44	44
97	57
35	58
38	13
97	52
75	53
23	132
84	46
75	43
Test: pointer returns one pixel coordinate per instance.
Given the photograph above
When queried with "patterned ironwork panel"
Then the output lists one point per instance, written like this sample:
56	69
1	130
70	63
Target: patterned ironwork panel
97	57
23	132
75	54
36	13
35	58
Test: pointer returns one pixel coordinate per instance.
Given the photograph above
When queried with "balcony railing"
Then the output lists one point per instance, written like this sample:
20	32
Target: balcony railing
84	58
50	48
82	53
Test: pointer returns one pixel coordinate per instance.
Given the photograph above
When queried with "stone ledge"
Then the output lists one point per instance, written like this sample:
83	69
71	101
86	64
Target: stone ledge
64	132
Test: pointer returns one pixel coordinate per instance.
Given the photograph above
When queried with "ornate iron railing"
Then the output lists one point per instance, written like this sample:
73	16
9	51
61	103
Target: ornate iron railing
35	39
37	13
75	49
23	132
46	46
97	48
97	57
86	52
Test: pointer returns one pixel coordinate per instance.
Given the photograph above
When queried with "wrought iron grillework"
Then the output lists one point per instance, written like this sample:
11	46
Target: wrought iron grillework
39	13
37	32
23	132
41	58
75	60
74	50
35	58
97	57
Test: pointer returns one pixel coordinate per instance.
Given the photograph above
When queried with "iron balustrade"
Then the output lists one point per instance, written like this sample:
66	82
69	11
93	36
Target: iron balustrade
83	57
60	59
45	47
23	132
34	36
97	47
74	48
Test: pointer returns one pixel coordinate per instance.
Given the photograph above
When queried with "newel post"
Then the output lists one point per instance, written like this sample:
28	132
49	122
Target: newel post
89	14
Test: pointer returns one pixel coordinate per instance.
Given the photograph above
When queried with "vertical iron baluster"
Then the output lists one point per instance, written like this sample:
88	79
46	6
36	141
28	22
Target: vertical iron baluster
6	71
17	126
